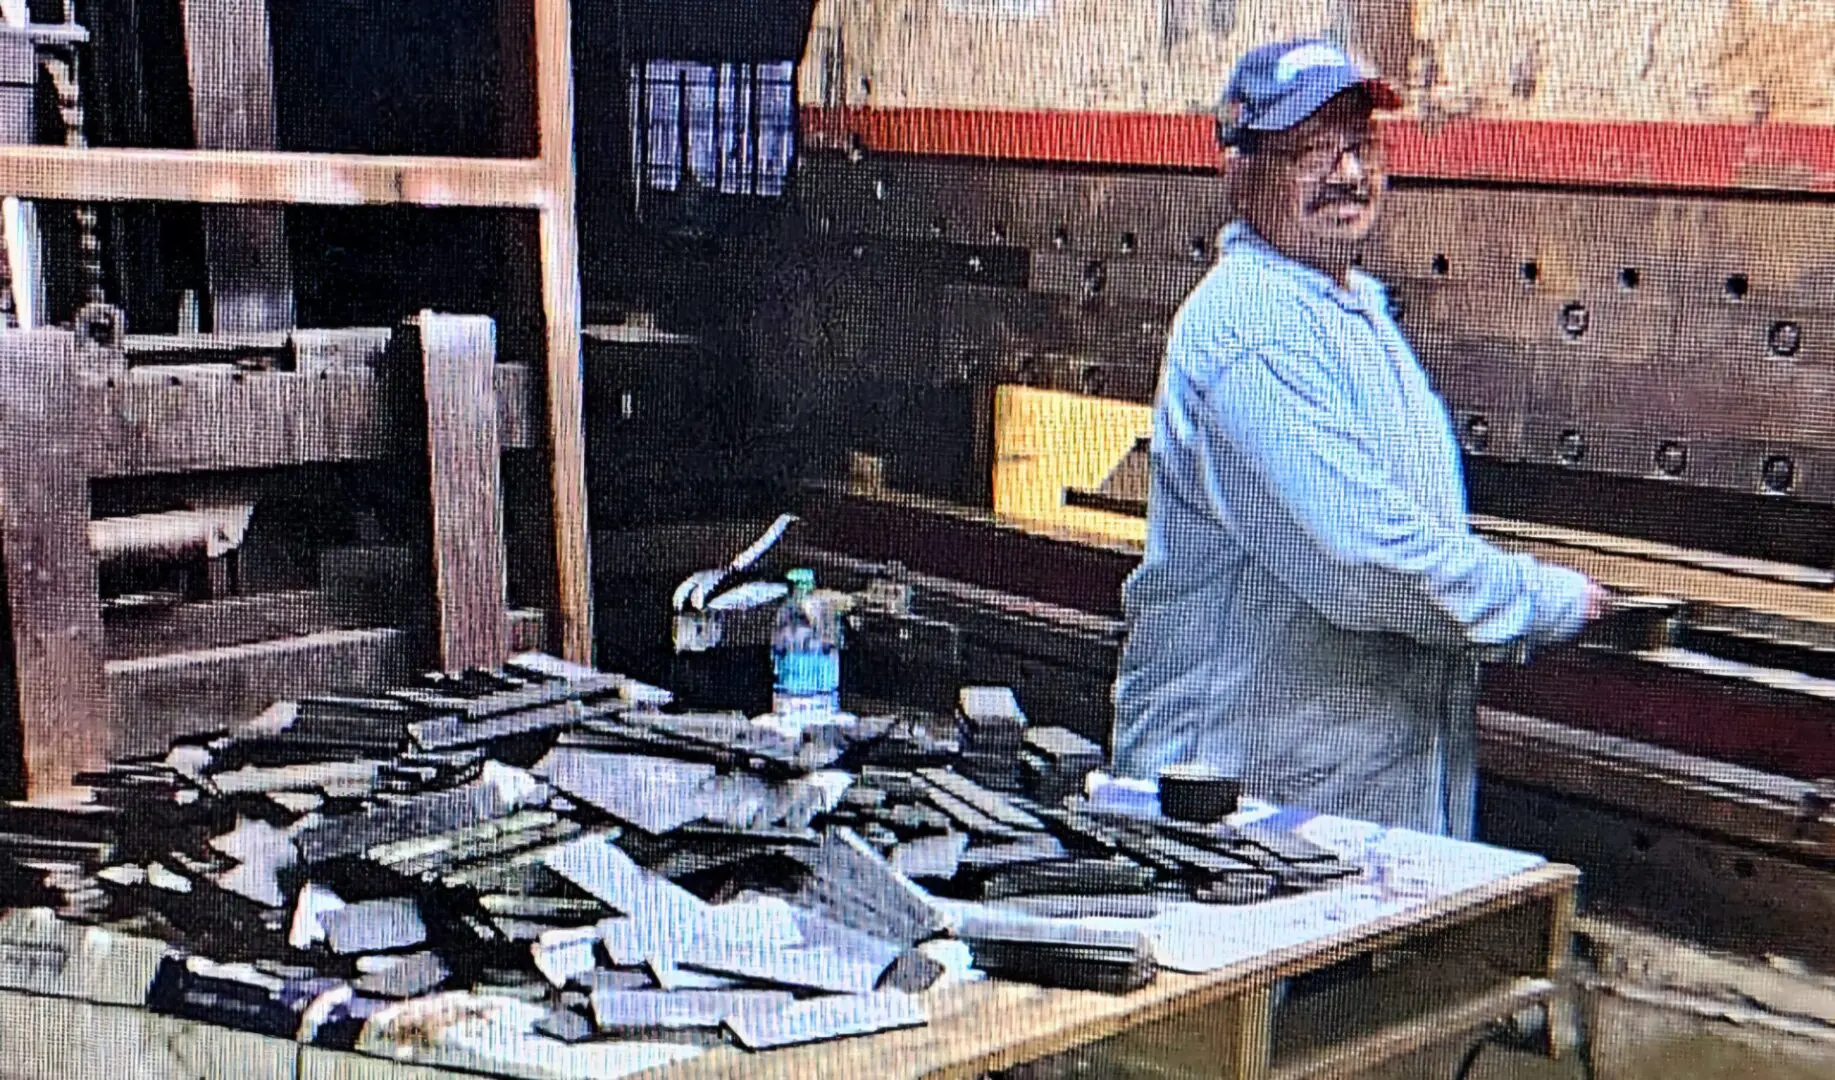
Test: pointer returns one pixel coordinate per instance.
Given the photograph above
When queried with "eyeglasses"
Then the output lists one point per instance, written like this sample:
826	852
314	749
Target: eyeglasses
1317	161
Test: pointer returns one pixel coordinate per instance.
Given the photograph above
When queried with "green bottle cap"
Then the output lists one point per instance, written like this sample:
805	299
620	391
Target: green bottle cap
803	579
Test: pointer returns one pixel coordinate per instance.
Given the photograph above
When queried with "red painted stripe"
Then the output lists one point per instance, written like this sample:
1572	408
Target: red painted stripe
1793	157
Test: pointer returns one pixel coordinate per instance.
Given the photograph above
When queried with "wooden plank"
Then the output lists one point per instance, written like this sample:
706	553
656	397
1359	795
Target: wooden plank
157	698
974	1027
51	587
470	577
1358	1057
108	174
47	1038
1563	1010
1682	581
141	632
211	418
982	1027
231	64
1046	441
561	306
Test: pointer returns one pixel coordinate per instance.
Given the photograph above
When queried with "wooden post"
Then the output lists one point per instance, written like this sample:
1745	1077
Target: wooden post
47	422
464	459
1564	1009
561	305
231	62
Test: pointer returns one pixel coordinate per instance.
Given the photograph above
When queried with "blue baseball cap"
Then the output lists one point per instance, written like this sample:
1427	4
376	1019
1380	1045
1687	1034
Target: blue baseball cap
1277	86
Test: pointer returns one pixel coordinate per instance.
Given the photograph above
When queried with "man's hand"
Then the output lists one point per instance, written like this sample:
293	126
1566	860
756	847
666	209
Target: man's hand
1599	600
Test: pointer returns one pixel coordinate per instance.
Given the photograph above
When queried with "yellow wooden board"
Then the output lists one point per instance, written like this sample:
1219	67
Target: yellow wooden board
1046	441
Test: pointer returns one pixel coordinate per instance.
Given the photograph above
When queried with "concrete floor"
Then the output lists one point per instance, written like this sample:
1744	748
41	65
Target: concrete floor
1699	1057
1634	1042
1630	1041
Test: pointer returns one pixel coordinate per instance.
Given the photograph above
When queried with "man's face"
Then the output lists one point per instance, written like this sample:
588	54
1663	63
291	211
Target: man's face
1317	188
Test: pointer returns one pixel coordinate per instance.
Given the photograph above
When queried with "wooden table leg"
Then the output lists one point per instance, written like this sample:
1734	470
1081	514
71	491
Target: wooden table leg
1563	1009
1246	1036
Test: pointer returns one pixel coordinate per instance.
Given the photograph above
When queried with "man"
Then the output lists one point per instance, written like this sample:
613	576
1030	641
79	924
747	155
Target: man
1312	607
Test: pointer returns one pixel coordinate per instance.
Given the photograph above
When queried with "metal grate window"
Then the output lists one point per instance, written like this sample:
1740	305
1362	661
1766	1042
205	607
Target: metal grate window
734	125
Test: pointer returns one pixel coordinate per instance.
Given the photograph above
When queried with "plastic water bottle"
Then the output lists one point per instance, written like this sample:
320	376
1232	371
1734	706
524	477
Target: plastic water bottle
806	651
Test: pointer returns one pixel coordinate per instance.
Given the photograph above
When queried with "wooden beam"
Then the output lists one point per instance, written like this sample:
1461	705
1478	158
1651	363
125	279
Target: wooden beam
231	61
51	587
250	176
211	418
470	573
157	698
561	305
142	633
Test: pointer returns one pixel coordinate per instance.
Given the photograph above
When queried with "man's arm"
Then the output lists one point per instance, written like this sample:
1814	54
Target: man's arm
1294	469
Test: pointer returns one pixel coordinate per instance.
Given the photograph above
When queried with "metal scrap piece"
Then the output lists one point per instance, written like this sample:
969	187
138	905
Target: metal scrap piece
373	926
990	803
452	732
261	851
654	794
564	955
851	884
936	856
507	701
834	970
651	1010
405	976
565	1025
604	871
1090	876
422	815
1043	847
826	1018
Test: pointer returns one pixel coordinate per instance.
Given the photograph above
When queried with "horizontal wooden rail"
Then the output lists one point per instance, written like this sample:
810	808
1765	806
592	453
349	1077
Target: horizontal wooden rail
237	176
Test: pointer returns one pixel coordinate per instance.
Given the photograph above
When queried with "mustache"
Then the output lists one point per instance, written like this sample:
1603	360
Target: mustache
1361	195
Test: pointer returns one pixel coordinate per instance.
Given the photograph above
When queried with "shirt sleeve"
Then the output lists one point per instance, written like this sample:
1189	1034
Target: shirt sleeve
1294	471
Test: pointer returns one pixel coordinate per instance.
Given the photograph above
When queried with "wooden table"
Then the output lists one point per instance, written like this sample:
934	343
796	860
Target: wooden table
1486	953
1517	929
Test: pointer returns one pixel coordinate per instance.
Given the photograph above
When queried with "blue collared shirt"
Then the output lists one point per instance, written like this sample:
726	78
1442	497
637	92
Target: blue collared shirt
1312	604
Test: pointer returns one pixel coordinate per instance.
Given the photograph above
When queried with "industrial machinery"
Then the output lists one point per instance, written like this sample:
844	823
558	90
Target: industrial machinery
232	469
1626	318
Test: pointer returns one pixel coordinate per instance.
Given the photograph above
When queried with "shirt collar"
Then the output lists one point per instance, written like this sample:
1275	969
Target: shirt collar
1361	295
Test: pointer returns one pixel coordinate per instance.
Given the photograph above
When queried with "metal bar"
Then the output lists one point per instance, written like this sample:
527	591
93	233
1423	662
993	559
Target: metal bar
684	124
718	135
245	176
561	305
753	137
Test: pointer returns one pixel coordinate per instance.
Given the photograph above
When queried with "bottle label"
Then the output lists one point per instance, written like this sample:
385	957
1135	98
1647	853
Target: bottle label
801	673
